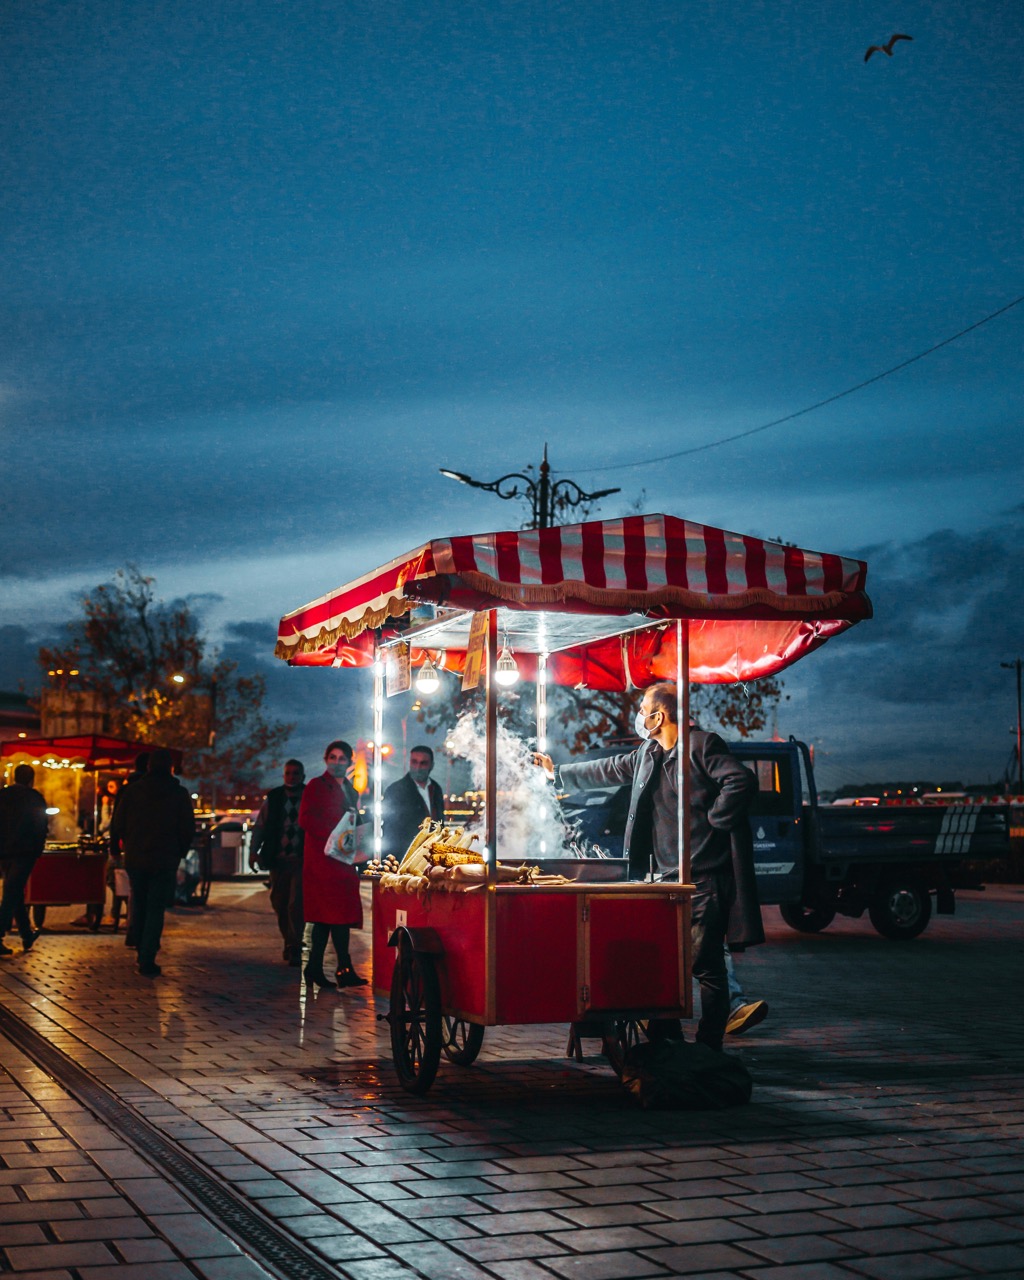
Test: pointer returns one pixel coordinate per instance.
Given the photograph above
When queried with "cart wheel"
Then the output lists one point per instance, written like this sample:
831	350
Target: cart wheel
94	915
624	1034
460	1040
38	916
415	1019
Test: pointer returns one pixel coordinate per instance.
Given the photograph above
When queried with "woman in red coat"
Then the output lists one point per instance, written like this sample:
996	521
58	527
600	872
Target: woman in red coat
330	888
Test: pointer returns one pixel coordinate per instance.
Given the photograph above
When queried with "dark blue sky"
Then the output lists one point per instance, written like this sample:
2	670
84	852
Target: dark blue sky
266	267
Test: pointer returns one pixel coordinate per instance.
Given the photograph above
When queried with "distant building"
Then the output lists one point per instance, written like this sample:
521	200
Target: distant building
18	717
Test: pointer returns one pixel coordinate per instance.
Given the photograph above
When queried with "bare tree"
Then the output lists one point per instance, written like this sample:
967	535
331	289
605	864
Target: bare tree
160	683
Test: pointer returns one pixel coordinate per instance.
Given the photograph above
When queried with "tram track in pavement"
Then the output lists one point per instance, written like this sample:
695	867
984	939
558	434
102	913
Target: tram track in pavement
214	1198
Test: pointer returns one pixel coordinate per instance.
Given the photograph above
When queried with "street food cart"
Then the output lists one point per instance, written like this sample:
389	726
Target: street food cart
73	868
606	605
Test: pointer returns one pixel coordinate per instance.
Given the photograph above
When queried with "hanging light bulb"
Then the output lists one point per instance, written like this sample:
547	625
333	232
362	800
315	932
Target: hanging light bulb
506	672
428	681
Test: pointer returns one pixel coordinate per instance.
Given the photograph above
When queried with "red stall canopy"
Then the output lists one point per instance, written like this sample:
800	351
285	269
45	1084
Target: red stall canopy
93	750
583	593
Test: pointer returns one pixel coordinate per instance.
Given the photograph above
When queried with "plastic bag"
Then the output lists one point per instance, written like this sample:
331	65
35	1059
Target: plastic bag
674	1075
343	844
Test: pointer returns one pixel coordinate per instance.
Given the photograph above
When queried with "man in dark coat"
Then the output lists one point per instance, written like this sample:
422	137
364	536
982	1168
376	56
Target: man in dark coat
721	855
276	846
155	824
409	800
23	825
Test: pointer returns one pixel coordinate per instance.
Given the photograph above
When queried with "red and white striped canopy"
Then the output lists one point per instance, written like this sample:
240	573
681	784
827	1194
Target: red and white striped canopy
758	605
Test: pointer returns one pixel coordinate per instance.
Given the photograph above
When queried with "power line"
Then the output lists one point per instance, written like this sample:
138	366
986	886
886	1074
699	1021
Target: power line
753	431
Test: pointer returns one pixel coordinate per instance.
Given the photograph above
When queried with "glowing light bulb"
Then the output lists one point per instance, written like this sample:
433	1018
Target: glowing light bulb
506	672
428	681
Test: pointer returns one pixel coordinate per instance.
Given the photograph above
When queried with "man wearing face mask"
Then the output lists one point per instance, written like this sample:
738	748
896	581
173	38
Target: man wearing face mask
720	792
409	800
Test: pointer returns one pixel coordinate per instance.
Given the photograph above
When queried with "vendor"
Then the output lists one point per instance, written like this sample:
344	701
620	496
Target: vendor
409	800
720	793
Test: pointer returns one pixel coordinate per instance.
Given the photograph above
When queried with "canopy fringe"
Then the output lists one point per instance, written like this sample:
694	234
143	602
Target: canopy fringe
646	601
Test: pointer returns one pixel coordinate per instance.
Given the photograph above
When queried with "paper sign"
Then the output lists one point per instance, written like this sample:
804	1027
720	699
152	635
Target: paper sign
398	670
475	651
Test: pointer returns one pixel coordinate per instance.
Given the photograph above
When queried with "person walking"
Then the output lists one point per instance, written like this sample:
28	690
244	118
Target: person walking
409	800
139	771
720	792
276	847
23	824
331	900
155	825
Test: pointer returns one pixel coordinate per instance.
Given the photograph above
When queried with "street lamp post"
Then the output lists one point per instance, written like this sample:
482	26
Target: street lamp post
544	495
1011	666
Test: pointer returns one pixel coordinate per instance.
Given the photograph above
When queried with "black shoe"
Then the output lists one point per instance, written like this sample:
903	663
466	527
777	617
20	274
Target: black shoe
349	978
129	941
26	943
5	950
316	978
150	970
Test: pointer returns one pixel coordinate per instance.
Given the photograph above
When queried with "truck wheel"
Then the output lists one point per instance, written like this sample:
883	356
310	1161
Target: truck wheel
901	909
806	919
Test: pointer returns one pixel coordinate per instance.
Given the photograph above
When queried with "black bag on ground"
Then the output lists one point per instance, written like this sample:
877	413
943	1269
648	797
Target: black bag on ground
675	1075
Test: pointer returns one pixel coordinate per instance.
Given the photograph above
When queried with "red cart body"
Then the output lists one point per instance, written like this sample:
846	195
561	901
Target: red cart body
61	877
522	954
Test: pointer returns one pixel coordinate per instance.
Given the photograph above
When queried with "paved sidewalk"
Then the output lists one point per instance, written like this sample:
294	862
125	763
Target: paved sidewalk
884	1138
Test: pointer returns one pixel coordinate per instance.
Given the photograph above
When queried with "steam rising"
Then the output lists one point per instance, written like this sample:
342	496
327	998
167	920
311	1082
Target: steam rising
530	822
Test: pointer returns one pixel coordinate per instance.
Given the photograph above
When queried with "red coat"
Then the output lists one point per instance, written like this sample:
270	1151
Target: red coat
330	889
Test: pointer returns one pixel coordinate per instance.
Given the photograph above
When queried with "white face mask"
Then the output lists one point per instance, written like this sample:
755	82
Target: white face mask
640	724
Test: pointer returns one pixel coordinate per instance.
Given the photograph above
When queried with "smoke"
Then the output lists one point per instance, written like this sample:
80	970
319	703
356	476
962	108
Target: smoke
530	821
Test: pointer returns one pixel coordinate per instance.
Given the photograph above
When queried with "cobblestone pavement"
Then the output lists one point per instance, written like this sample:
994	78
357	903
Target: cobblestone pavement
883	1141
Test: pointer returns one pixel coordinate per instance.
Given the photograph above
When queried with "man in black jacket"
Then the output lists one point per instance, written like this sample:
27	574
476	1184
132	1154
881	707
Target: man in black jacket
155	824
23	825
409	800
276	847
720	792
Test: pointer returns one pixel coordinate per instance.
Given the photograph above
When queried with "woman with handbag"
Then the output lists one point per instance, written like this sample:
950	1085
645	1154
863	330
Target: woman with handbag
330	886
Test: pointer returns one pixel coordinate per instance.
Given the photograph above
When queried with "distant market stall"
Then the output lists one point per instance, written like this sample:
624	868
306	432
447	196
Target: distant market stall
607	605
73	866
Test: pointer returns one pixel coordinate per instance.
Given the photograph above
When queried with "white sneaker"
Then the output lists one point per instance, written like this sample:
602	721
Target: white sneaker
745	1016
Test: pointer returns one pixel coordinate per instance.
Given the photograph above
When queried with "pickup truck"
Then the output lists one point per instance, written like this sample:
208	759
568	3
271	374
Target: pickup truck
818	861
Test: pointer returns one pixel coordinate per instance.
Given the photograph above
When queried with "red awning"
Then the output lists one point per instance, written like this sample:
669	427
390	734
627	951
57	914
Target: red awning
91	750
755	606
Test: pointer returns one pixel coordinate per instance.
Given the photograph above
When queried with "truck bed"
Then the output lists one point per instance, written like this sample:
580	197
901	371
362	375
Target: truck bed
924	833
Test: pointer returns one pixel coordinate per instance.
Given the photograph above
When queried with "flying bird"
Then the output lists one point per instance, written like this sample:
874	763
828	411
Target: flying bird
886	48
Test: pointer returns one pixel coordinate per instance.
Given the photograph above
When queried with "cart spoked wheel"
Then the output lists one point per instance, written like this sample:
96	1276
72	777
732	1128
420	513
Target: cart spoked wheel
38	916
415	1019
94	917
461	1040
623	1034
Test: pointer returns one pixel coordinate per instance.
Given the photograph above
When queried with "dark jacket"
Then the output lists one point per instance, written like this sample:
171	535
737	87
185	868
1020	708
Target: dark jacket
23	823
720	792
154	823
265	845
404	810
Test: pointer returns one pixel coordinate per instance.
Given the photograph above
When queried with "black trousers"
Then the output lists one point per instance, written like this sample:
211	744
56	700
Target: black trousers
286	899
12	905
712	902
152	894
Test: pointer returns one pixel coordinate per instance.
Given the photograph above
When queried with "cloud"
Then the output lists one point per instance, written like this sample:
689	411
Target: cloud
919	690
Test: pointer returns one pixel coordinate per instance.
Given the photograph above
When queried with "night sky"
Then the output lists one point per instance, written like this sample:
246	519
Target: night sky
266	267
